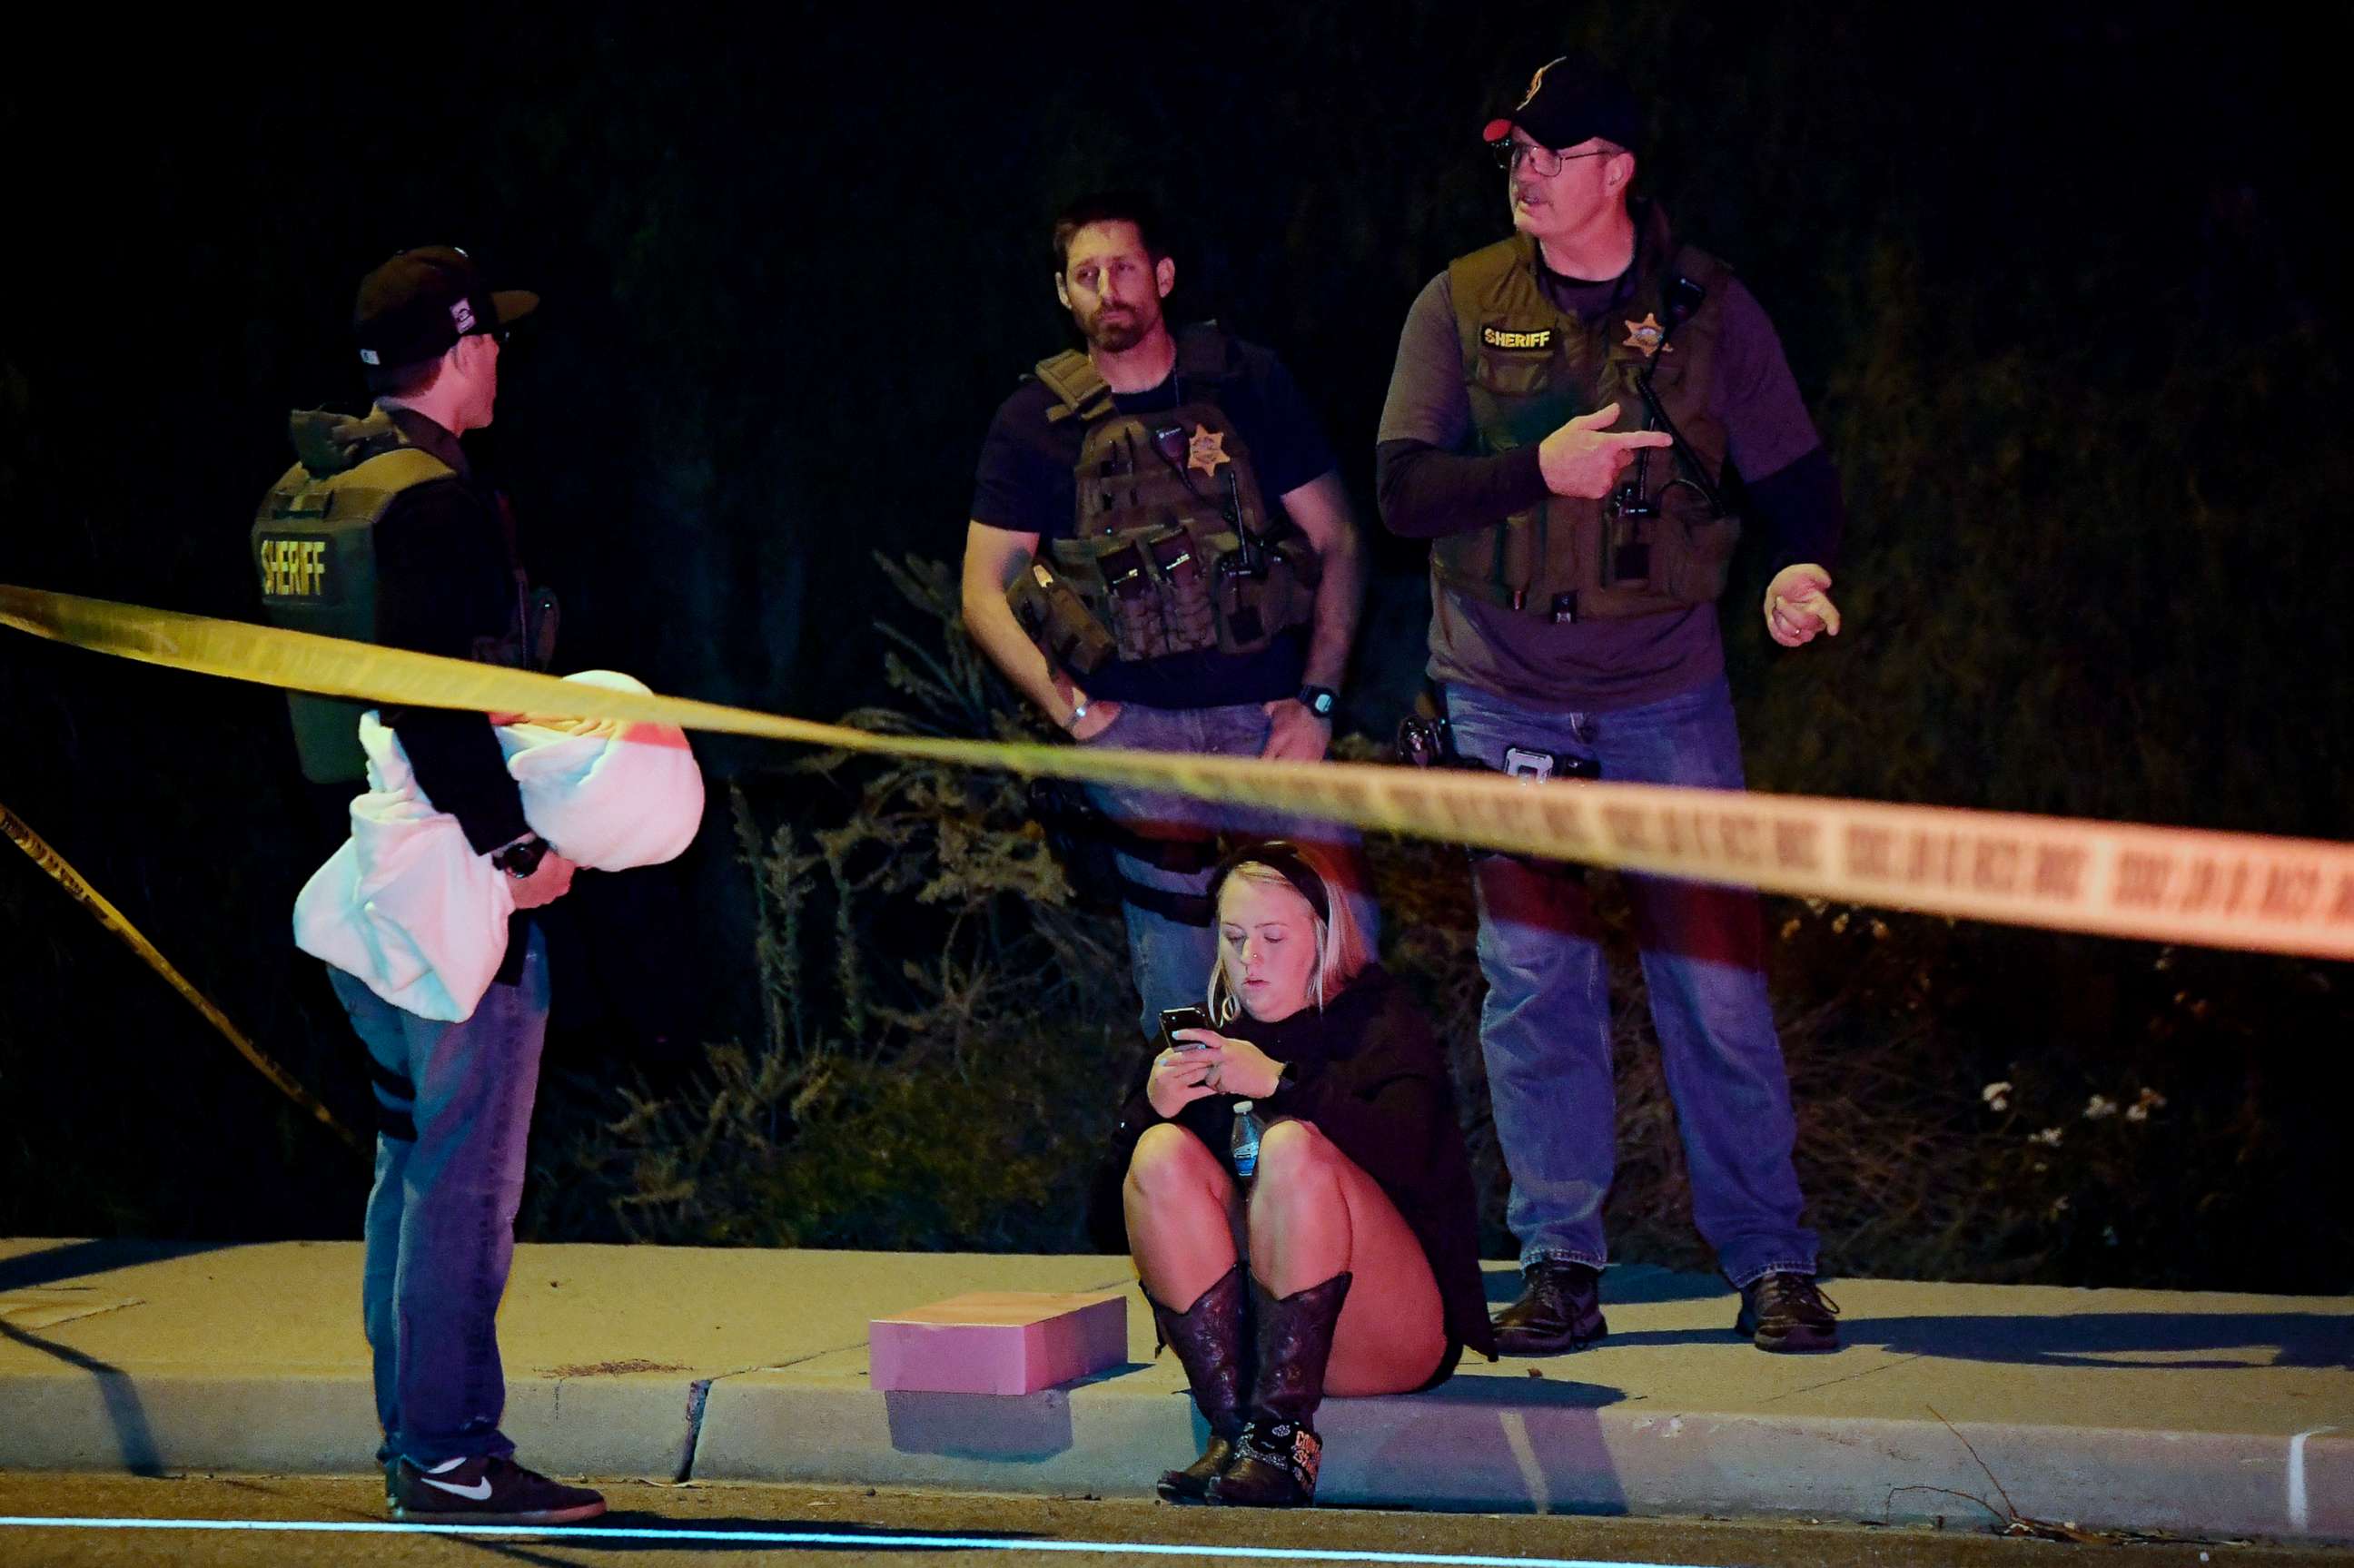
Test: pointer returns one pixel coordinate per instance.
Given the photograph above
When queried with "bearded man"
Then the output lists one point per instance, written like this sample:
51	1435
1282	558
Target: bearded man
1161	557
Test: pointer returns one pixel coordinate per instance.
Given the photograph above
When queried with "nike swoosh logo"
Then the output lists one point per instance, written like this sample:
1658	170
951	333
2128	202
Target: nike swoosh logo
476	1493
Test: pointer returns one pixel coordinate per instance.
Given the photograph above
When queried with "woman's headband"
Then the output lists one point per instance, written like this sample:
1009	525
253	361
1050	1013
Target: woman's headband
1285	859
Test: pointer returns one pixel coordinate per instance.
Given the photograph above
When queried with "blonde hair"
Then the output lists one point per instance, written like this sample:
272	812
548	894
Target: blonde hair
1340	951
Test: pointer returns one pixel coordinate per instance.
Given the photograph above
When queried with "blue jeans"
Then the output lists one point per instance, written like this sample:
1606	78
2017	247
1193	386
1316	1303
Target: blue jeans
1172	961
441	1218
1546	1028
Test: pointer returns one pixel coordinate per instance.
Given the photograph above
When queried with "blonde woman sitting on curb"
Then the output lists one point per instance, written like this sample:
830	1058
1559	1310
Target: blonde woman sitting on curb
1358	1233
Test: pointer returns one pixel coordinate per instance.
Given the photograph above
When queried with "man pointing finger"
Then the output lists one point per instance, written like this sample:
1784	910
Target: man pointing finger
1586	456
1566	406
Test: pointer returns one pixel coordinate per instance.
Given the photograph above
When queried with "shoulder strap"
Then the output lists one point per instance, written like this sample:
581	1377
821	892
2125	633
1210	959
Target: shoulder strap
302	496
1205	352
1686	285
1691	278
1472	281
1073	378
400	468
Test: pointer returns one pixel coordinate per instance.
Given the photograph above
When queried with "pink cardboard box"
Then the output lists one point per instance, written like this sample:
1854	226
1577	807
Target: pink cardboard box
999	1341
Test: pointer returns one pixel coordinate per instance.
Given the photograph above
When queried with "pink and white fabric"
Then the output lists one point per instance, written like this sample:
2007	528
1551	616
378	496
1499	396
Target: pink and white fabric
406	908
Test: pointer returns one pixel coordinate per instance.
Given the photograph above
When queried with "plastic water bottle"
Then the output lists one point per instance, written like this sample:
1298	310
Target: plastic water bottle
1244	1144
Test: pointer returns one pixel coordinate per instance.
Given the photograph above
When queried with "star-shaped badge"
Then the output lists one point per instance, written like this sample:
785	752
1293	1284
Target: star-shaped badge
1206	450
1649	335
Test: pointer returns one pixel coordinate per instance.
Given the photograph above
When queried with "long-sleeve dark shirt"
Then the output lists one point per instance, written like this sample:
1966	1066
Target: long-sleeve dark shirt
1369	1074
1432	483
446	584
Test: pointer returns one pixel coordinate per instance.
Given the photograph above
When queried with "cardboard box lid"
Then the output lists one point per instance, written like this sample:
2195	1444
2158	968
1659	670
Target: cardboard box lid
1002	1308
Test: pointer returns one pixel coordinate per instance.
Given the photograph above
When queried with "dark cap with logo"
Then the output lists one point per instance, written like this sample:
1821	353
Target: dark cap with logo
1571	100
420	303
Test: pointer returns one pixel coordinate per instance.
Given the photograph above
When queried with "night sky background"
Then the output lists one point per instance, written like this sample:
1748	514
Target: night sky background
2060	283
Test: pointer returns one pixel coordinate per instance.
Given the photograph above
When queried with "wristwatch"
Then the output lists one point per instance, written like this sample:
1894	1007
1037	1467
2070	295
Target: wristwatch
520	858
1319	700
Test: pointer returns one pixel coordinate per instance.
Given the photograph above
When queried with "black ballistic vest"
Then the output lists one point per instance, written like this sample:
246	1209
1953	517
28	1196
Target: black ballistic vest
1171	550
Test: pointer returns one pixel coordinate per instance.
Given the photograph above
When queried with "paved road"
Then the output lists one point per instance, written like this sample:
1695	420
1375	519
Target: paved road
727	1520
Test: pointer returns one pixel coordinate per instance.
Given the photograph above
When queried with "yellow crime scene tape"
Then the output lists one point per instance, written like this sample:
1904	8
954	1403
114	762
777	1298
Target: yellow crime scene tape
112	918
2170	885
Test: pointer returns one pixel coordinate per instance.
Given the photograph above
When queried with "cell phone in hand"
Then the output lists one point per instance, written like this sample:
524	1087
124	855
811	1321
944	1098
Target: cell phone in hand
1175	1017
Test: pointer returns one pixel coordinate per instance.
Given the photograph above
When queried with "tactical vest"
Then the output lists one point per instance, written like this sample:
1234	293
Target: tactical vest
314	550
1529	369
1171	550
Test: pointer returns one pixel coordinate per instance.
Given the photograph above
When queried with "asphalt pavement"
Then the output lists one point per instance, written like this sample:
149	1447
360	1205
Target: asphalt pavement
854	1527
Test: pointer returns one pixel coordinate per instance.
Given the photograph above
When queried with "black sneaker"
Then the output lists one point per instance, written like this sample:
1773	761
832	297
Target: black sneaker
487	1491
1786	1313
1559	1310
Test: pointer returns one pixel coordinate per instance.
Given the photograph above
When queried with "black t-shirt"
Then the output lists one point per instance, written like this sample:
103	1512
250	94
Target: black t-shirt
1025	485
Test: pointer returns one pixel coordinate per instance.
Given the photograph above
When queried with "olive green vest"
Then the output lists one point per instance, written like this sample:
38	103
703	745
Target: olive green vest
1170	549
314	550
1529	369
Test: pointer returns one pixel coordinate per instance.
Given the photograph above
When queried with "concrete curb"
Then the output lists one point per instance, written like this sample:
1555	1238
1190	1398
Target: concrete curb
2208	1415
1482	1444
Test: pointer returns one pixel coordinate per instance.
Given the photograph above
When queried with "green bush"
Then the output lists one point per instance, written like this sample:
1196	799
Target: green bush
943	1021
949	1031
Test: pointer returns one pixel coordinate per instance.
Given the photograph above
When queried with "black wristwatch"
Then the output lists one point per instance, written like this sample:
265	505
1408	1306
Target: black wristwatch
1319	700
520	858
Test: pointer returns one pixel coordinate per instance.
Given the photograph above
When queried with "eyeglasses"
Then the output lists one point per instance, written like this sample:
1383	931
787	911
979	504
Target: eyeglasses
1544	162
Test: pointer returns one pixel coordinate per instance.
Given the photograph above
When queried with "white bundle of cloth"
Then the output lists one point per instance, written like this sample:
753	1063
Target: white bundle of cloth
406	908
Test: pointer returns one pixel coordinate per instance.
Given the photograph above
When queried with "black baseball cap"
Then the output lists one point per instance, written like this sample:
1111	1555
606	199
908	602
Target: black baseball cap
1571	99
418	303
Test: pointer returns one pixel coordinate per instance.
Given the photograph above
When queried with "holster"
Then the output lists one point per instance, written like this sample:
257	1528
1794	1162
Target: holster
1053	616
1088	841
1426	739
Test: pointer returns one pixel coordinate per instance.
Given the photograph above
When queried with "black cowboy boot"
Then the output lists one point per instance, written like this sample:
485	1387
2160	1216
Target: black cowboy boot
1211	1346
1277	1457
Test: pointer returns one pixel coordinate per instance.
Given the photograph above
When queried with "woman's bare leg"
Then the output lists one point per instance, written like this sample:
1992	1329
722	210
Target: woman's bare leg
1314	1213
1182	1208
